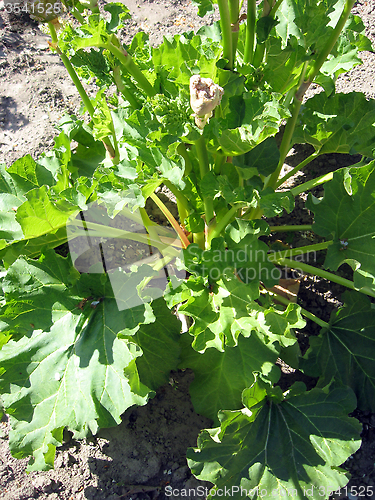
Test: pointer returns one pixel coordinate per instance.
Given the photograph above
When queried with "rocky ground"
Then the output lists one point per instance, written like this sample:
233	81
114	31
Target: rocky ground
146	453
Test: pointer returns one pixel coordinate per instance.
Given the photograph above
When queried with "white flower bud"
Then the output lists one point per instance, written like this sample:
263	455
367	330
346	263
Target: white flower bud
205	95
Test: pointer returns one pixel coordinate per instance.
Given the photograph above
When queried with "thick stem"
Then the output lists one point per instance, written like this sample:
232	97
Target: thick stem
112	150
199	239
132	68
182	212
259	54
289	130
73	75
149	225
75	13
168	253
276	256
296	169
124	91
320	60
275	7
78	16
223	222
253	213
285	143
204	168
226	31
314	318
282	229
234	10
185	242
112	232
250	31
311	184
260	49
289	97
181	198
219	162
157	266
305	83
324	274
318	181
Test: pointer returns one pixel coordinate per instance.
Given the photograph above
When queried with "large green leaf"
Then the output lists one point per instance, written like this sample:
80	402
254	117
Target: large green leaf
40	214
21	177
27	174
344	55
275	325
264	158
38	293
27	203
230	310
178	56
303	29
345	352
290	449
341	123
344	59
274	203
284	64
160	344
89	153
346	214
91	63
119	12
225	188
220	377
32	248
76	366
236	300
201	308
308	22
248	123
77	375
247	257
135	133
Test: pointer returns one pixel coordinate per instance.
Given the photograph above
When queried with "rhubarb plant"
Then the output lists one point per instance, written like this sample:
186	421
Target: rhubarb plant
87	335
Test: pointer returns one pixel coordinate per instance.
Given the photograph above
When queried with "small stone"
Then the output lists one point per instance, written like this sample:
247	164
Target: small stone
180	474
43	483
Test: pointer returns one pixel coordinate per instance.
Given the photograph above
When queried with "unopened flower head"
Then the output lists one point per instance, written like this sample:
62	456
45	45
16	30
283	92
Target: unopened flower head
205	95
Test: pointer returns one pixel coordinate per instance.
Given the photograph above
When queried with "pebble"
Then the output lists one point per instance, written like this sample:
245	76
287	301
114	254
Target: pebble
43	483
180	474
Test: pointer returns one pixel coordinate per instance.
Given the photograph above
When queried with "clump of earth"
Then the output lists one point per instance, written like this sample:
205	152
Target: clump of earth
144	457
